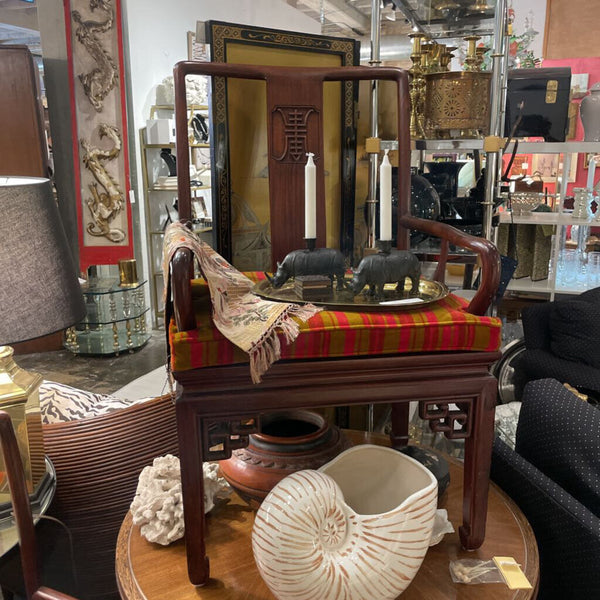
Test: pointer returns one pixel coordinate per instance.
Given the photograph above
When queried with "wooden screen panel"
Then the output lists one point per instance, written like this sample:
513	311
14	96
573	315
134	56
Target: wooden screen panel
572	29
249	153
240	183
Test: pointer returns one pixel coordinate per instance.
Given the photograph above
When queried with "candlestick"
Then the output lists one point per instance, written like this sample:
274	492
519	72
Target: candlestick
310	198
385	199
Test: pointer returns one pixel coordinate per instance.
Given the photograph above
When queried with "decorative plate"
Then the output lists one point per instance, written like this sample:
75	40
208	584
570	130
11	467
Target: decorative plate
429	292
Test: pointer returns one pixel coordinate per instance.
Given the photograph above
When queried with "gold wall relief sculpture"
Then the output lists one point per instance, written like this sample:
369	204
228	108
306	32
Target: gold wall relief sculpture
104	205
98	82
99	131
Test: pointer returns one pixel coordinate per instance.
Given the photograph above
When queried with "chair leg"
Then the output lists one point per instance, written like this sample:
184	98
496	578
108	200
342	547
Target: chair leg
399	434
192	486
478	456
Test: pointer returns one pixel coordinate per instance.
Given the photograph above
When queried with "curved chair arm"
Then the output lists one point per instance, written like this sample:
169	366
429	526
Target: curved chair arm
486	251
182	265
22	511
45	593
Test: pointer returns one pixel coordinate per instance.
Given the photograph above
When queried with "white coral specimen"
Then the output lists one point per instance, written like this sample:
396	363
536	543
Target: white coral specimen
158	506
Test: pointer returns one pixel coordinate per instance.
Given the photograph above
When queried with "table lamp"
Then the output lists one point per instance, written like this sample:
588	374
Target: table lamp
39	295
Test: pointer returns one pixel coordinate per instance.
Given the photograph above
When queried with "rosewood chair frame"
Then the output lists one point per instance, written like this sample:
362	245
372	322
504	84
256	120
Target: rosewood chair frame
219	406
23	517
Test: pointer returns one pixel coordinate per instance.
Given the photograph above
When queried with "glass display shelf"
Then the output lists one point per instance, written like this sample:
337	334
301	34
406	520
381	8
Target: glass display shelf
108	285
115	320
443	19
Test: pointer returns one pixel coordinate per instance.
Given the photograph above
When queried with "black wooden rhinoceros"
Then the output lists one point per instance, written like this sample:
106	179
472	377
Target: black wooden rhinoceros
378	269
321	261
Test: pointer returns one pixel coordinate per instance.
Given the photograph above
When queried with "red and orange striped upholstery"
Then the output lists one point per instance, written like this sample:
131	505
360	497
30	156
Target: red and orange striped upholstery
443	326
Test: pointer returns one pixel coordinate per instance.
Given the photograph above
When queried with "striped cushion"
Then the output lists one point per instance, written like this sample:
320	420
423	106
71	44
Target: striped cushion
442	326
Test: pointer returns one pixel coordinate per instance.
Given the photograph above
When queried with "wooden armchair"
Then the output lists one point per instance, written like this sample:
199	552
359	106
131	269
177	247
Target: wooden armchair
23	518
439	356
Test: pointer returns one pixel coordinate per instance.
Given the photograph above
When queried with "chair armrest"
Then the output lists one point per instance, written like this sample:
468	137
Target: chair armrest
45	593
568	534
182	266
485	250
536	326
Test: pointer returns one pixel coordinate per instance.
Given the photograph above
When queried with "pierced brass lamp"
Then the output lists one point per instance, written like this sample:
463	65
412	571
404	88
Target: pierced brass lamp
39	295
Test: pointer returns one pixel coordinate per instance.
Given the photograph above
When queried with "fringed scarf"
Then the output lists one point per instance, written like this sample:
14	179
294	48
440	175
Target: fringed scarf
246	320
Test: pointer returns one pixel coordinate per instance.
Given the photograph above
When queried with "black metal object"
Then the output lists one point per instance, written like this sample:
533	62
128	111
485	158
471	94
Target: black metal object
310	261
387	266
541	98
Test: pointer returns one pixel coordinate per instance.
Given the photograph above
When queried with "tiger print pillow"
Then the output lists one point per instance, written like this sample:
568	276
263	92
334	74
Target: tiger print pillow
60	403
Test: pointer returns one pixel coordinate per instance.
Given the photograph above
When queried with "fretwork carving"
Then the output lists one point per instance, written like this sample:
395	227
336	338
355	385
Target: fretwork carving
220	438
444	419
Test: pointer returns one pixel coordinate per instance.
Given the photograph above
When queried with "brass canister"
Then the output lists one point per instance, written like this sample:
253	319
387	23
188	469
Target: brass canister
128	272
457	104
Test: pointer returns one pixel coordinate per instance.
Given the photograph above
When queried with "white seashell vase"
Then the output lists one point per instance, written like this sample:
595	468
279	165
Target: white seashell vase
356	529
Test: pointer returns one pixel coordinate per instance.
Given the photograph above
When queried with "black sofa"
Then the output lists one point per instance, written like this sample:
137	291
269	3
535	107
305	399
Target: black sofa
554	477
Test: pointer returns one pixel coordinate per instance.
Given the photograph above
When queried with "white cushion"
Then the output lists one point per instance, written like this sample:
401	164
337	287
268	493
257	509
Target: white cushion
60	403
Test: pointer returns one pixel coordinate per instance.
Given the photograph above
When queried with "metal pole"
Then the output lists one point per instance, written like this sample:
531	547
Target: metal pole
373	158
496	113
374	126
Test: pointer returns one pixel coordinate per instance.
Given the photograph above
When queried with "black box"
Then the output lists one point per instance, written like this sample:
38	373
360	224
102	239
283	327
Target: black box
545	97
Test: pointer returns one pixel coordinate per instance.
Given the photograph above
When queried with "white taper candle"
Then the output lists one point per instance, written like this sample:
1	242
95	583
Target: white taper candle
385	199
310	198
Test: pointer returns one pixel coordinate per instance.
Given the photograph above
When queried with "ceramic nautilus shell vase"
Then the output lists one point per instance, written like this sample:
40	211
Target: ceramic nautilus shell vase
356	529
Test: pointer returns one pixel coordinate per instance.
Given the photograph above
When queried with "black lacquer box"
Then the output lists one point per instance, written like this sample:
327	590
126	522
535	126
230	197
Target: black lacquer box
544	96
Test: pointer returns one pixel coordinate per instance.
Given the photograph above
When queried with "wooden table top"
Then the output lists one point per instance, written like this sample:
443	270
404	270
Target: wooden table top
148	571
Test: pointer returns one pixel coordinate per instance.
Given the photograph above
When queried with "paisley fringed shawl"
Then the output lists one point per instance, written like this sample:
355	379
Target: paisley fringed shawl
246	320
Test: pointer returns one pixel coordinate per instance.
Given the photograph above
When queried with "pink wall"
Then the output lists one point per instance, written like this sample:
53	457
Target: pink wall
580	65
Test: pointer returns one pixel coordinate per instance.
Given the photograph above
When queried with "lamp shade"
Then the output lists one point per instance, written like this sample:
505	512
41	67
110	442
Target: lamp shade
39	290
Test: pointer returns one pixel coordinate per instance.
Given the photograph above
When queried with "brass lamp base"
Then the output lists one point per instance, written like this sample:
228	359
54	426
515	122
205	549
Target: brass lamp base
19	397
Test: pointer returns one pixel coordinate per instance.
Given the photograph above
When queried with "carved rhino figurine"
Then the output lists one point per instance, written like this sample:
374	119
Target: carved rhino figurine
321	261
378	269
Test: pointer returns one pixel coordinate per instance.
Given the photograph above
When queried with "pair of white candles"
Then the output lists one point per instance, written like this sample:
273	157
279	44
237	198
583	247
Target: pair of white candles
385	198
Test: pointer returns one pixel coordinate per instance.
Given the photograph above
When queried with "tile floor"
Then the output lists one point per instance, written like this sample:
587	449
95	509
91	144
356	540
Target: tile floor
101	374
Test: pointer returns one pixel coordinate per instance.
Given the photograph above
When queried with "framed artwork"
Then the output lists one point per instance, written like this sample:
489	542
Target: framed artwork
588	157
241	203
549	166
196	50
99	125
520	166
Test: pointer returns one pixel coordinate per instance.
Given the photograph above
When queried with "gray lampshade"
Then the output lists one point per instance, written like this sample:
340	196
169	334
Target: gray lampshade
39	290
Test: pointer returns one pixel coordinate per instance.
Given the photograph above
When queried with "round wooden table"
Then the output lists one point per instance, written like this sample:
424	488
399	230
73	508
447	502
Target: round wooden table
148	571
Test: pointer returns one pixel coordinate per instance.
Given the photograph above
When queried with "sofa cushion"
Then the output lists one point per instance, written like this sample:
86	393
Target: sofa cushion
575	331
442	326
60	403
558	434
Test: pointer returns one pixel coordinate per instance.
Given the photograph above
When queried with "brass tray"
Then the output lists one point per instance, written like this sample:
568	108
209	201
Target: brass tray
429	292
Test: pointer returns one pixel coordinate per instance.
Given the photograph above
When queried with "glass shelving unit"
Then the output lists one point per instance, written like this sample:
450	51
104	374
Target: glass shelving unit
115	321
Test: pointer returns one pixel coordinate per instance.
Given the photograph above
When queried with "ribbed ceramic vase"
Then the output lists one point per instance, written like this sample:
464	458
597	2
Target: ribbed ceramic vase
589	111
356	529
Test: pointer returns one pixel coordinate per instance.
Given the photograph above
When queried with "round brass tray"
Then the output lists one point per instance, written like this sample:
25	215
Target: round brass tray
429	292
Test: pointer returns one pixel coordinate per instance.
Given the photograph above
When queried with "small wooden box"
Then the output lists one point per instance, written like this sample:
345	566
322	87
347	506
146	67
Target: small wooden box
313	287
